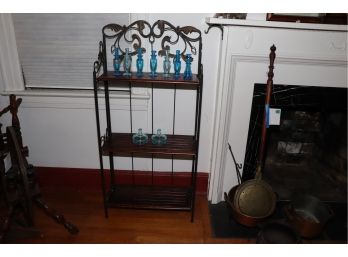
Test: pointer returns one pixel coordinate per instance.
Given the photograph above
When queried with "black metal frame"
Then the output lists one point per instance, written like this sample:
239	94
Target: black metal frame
133	34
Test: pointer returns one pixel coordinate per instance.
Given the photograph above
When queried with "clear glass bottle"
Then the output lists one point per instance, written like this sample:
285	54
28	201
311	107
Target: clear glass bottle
159	138
140	63
153	64
117	62
127	63
140	138
166	65
177	64
188	71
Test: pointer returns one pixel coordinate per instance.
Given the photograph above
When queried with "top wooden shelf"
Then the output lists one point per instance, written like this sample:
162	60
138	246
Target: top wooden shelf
146	78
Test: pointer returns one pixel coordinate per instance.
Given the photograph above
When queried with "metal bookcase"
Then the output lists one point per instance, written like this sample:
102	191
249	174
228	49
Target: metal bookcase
149	195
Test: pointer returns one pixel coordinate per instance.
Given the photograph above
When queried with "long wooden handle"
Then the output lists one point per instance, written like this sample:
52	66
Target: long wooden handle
59	218
269	87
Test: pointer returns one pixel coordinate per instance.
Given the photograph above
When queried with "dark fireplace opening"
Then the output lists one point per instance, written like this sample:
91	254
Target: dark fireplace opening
307	151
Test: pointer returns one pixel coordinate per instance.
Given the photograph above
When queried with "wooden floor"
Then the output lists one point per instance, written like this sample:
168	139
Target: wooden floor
124	226
85	210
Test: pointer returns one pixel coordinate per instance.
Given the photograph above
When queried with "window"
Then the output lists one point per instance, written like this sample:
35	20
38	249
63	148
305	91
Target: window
58	50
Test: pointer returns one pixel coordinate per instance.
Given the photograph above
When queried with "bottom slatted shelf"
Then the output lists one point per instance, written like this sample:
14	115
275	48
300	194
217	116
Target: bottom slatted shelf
150	197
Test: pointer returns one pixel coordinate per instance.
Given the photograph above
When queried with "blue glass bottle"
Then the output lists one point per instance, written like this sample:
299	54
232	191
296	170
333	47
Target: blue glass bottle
166	65
188	71
127	63
117	62
177	64
140	63
153	64
159	138
139	138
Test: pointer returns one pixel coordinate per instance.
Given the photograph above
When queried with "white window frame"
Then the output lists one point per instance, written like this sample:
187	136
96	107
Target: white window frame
9	60
11	79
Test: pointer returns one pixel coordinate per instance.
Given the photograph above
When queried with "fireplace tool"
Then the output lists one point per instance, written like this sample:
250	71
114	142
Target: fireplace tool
255	198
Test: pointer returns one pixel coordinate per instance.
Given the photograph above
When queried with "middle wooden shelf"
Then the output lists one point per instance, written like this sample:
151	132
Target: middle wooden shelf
178	146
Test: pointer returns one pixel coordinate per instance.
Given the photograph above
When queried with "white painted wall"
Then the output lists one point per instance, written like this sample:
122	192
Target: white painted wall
61	130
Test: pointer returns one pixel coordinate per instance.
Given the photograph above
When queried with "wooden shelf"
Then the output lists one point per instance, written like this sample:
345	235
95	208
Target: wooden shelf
146	78
179	146
150	197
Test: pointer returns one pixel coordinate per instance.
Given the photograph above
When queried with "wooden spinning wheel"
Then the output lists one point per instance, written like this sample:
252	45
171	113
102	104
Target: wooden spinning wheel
20	187
16	186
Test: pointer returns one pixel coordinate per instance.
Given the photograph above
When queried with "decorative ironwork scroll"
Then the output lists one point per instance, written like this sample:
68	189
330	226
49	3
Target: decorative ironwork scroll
98	63
163	30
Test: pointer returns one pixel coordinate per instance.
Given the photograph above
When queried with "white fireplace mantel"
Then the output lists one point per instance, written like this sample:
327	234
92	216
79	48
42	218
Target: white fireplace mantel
306	55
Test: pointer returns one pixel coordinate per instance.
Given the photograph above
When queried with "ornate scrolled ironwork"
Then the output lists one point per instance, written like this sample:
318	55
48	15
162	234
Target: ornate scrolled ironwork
180	32
138	30
131	34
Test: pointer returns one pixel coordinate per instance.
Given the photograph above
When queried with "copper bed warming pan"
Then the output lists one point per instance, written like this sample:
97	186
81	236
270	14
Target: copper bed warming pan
256	201
255	198
241	218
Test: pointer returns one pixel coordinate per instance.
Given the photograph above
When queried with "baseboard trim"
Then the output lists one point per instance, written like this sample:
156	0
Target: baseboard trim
89	179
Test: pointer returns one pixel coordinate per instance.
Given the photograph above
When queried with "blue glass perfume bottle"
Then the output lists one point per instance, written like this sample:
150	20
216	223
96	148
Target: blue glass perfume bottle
117	62
139	138
140	63
188	71
166	65
127	63
153	64
177	64
159	138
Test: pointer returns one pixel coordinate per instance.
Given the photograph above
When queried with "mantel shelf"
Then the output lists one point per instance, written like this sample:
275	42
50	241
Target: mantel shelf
276	24
178	146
